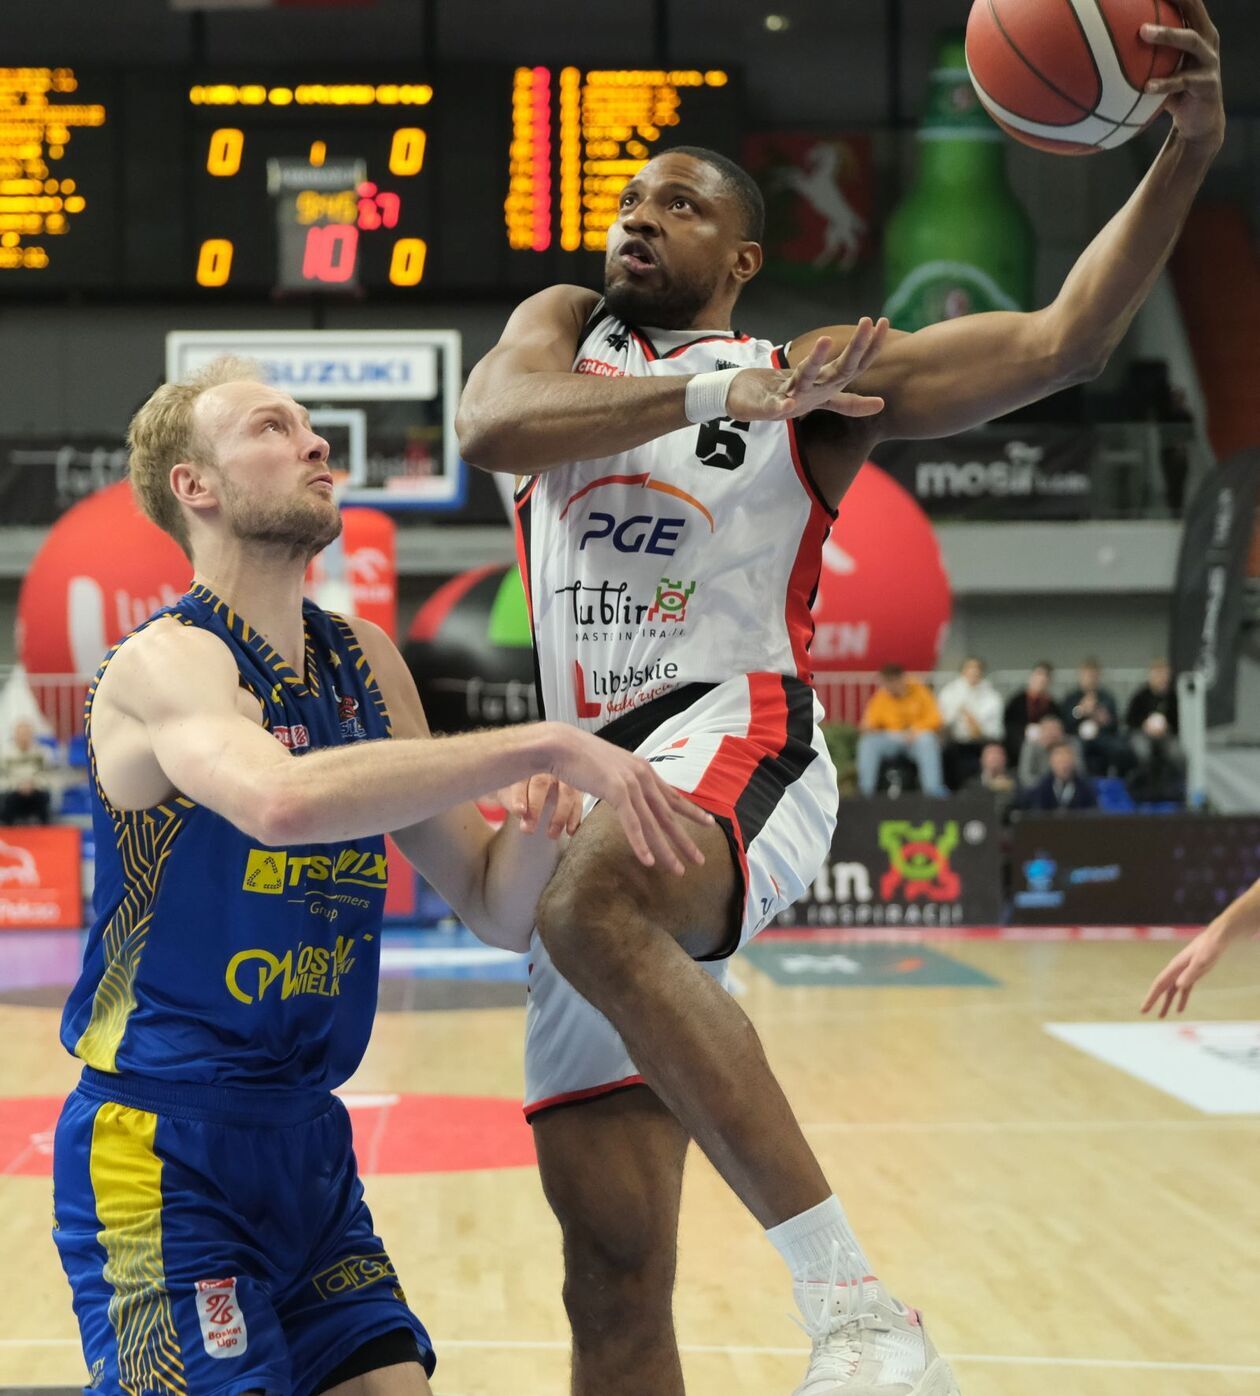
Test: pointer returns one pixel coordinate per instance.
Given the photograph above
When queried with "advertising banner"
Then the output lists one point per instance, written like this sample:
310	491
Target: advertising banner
40	478
1117	870
1207	608
1024	471
883	593
820	201
385	399
910	861
40	878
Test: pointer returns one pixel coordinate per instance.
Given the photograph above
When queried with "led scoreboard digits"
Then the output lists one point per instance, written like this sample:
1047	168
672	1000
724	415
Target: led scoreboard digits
341	166
579	135
372	180
41	117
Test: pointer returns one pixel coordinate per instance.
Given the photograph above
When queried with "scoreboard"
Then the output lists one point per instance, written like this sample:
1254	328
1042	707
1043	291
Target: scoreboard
278	181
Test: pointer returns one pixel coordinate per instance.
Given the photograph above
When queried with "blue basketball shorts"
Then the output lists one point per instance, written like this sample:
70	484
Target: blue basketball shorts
216	1240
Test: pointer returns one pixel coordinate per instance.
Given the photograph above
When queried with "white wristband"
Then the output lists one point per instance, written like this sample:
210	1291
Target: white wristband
707	393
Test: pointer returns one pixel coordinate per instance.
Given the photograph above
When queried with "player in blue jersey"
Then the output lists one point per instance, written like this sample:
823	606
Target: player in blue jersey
208	1210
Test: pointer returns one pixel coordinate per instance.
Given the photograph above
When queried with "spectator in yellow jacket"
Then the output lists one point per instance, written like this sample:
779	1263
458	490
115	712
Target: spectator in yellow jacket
901	719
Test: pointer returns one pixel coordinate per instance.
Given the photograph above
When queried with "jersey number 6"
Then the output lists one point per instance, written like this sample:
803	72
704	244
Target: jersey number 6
721	444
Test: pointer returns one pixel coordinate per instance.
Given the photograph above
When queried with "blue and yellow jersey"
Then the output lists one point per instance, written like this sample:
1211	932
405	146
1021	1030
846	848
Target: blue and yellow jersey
214	960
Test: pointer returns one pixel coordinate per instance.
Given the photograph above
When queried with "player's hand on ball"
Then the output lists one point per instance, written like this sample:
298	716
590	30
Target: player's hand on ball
1185	970
543	802
817	384
651	811
1195	99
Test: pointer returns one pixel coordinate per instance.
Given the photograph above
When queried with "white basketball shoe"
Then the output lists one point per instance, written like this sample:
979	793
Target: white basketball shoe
866	1343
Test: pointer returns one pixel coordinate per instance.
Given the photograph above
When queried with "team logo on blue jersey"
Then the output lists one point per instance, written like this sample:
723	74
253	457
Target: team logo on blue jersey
296	738
348	717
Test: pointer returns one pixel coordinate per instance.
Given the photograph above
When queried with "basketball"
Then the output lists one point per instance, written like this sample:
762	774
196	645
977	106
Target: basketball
1069	76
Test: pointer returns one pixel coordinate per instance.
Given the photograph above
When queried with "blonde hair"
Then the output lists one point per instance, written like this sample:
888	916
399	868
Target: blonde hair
164	432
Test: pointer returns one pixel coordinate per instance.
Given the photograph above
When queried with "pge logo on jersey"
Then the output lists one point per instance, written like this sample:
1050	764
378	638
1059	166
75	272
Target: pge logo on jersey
641	533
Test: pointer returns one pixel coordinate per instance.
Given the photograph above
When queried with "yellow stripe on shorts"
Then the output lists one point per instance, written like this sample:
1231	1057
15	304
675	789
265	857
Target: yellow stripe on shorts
127	1183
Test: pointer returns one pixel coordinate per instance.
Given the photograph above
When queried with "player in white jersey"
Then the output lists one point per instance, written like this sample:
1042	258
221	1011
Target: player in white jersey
677	479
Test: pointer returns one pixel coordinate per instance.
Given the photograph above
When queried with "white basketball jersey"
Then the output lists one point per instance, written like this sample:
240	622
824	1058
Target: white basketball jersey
691	559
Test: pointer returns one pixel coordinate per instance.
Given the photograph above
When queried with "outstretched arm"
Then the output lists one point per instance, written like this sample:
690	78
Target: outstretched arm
524	410
962	372
493	879
174	692
1173	985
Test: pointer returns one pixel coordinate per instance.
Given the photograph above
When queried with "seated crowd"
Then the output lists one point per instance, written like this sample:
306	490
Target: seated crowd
34	780
1032	750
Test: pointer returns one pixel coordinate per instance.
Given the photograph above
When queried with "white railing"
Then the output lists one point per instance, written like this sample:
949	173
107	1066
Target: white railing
60	696
843	696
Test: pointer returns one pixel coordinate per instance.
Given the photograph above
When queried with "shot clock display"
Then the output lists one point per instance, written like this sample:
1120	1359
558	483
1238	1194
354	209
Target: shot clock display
347	197
280	182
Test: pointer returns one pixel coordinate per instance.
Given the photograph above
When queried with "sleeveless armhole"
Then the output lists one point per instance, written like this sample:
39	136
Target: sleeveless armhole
599	313
779	358
362	668
122	816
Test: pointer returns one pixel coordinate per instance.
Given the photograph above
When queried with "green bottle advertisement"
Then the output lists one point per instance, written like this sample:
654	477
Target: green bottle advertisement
959	242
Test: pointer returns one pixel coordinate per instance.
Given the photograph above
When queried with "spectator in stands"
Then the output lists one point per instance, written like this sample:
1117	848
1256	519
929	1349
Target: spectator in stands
995	777
24	779
1063	787
1091	714
1026	709
971	709
1034	755
1154	729
901	719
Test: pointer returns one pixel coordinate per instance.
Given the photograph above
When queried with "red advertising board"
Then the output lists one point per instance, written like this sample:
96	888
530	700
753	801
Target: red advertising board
40	878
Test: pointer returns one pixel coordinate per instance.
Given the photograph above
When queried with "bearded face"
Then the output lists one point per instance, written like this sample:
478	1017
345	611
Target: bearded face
670	300
303	525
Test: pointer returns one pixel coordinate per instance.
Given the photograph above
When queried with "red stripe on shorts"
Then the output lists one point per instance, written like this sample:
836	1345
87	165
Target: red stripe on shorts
728	774
573	1097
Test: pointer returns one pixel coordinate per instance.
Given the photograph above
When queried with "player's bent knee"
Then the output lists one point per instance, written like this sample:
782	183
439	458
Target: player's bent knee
583	927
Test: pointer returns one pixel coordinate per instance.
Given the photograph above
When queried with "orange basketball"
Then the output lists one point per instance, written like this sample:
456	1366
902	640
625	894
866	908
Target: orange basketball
1069	76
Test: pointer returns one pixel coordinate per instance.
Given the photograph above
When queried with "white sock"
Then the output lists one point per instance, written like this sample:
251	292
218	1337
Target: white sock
807	1243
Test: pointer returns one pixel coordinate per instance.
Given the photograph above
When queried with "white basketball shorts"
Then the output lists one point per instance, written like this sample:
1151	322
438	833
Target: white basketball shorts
750	752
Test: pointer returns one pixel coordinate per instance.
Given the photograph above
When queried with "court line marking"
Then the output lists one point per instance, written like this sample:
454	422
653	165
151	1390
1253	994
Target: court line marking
987	1359
1243	1123
1113	1364
1075	1009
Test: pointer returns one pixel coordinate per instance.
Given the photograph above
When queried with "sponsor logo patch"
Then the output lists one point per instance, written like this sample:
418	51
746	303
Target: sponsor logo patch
599	368
348	717
641	533
223	1328
264	871
271	870
313	970
354	1272
296	738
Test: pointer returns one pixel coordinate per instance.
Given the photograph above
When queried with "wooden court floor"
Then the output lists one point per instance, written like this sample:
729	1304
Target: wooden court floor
1068	1230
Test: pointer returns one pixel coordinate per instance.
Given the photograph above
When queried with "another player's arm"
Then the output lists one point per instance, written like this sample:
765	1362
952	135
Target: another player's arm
492	880
175	691
963	372
1173	985
525	411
